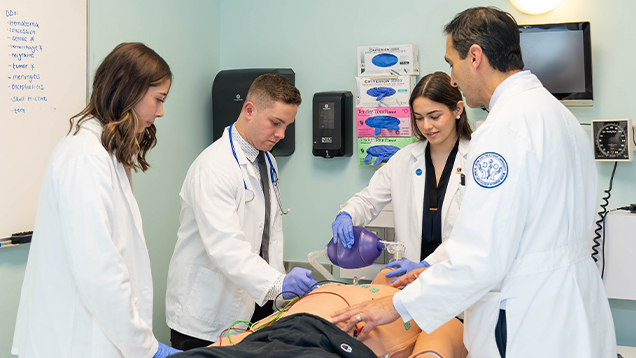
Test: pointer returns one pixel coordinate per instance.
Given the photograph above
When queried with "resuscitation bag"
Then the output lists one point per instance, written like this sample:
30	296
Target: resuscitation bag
365	250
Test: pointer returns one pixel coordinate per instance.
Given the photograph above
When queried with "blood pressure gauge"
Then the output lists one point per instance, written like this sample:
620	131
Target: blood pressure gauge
613	140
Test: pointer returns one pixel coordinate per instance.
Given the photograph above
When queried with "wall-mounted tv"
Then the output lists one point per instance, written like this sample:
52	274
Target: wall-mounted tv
560	55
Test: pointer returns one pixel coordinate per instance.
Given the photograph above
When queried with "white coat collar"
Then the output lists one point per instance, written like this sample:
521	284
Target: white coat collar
504	85
463	147
517	83
93	124
418	150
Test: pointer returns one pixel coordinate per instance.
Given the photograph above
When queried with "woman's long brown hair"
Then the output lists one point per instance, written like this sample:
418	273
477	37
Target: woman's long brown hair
121	82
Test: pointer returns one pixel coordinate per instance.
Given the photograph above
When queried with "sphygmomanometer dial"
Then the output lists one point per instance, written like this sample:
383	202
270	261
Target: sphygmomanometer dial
611	141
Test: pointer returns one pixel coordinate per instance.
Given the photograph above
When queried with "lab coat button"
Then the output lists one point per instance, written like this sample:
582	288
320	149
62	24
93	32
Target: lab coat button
260	225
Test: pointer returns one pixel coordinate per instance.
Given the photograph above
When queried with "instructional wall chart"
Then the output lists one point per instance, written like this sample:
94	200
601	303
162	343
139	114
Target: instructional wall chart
43	57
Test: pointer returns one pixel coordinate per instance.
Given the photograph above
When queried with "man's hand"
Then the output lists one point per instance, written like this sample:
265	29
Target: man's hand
408	277
298	282
373	313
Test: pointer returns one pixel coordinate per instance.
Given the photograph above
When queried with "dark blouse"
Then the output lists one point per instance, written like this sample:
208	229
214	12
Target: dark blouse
433	199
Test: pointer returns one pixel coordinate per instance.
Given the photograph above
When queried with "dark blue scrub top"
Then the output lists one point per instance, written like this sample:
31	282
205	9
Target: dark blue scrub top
433	199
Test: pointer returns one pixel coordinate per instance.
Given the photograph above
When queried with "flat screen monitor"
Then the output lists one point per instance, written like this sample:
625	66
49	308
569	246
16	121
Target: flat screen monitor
560	55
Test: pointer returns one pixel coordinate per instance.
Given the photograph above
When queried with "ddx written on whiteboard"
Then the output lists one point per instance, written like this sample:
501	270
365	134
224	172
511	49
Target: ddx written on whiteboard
22	66
29	99
30	78
30	51
30	48
11	13
22	38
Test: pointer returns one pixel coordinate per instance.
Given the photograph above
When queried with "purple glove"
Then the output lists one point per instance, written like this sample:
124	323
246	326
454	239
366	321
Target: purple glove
298	282
403	266
165	351
342	228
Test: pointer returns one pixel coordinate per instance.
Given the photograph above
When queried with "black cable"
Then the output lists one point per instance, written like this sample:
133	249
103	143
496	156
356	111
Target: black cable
600	224
603	249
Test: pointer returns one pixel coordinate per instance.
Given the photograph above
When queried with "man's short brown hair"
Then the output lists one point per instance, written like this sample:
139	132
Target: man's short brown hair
270	88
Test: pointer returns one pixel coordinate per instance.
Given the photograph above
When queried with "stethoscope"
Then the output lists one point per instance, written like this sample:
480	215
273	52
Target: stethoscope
249	194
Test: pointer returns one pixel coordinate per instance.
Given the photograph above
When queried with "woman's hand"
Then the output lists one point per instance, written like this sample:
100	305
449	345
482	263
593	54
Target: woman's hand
408	277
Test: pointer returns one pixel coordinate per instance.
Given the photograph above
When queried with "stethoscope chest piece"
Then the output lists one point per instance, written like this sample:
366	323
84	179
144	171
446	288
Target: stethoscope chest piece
249	195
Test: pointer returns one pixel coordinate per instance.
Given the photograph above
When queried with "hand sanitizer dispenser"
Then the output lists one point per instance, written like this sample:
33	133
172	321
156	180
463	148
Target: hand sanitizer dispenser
333	124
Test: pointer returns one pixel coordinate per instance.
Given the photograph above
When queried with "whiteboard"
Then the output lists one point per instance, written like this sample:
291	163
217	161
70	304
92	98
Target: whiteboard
44	83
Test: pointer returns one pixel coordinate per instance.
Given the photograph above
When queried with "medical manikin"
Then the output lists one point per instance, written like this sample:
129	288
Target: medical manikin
394	340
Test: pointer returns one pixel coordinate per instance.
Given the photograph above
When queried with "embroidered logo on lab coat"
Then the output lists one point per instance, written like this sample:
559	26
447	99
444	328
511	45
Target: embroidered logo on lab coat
490	170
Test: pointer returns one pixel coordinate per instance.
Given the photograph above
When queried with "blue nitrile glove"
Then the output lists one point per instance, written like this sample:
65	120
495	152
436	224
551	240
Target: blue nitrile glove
298	281
379	122
381	92
165	351
382	152
384	60
403	266
342	228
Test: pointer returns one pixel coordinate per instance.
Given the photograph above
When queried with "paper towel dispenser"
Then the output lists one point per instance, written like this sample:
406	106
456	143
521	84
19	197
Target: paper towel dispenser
229	90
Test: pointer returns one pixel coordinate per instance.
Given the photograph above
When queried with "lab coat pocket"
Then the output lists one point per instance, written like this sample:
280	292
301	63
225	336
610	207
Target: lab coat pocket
479	326
212	298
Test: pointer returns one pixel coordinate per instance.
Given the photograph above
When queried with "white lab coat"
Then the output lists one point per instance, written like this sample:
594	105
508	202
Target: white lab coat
87	290
216	273
399	182
523	245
